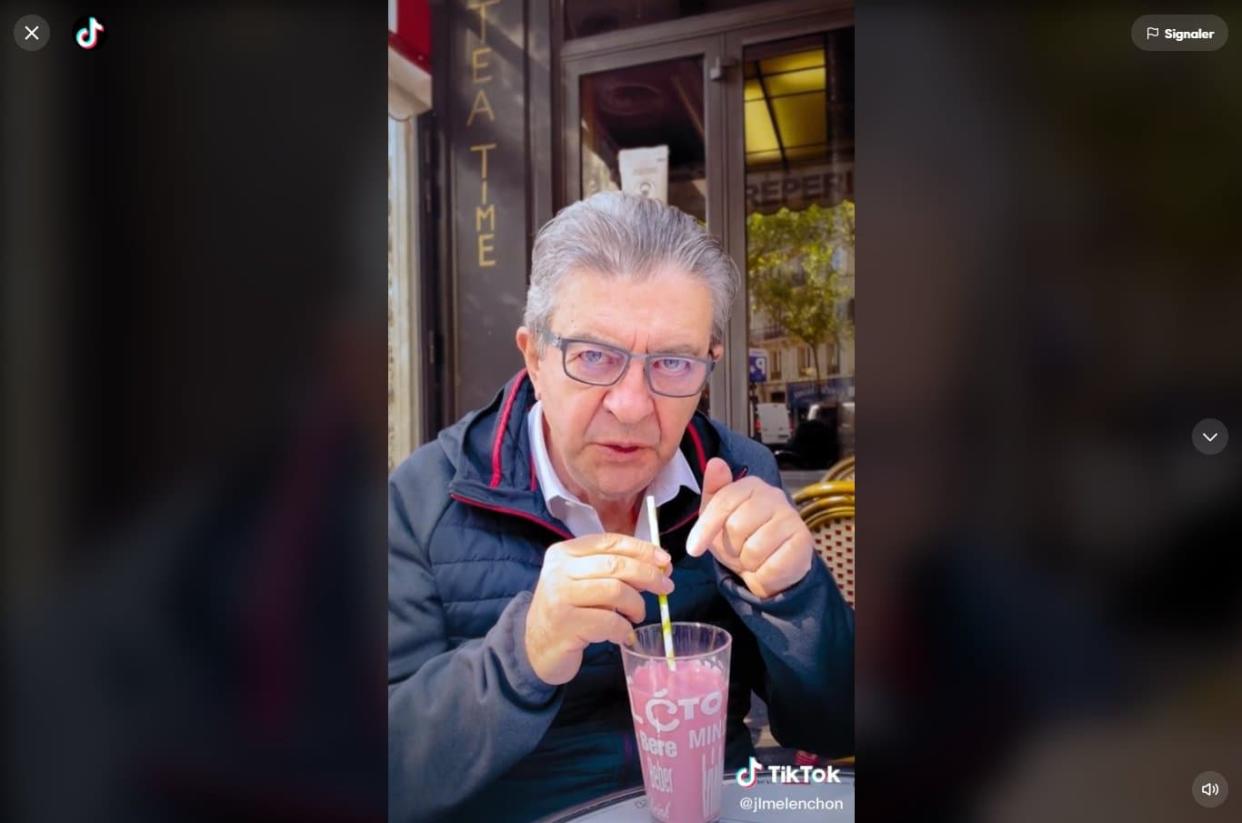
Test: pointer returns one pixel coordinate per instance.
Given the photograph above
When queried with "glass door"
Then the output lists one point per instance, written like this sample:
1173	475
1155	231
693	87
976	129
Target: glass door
792	230
656	108
754	121
642	120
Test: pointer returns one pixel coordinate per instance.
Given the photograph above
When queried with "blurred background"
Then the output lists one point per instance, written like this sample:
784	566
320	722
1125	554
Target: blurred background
191	350
1049	577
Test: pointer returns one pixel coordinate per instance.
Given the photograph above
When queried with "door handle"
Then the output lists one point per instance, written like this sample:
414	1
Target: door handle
717	70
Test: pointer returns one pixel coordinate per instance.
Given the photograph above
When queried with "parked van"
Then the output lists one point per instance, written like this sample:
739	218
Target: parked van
772	423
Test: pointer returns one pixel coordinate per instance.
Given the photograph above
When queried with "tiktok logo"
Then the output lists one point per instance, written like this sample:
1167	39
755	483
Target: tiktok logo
90	33
749	775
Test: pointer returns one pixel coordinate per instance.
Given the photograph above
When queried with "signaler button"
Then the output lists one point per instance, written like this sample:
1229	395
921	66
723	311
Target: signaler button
1179	32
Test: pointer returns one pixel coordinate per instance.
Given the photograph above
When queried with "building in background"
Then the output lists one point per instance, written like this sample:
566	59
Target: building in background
739	113
409	96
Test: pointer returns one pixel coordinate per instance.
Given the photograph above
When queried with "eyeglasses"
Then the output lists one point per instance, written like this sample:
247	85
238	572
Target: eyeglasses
598	364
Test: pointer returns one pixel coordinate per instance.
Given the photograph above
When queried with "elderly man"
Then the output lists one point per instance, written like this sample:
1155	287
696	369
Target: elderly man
518	559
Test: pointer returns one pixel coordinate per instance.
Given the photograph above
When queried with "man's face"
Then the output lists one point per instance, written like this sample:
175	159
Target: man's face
608	442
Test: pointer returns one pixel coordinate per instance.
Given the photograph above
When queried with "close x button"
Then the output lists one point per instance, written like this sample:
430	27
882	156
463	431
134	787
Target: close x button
31	32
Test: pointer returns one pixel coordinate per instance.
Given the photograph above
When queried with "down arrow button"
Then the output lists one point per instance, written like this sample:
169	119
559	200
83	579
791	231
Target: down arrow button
1210	436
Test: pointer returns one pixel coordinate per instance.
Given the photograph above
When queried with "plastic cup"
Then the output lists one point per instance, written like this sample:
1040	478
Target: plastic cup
679	715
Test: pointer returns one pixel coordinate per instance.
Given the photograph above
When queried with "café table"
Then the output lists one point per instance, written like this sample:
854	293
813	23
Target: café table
760	803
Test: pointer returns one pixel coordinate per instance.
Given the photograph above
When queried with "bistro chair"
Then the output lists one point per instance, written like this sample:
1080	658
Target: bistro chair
824	499
827	508
841	470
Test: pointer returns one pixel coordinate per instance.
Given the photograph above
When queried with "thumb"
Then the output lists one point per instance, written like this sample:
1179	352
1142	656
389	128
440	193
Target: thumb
715	477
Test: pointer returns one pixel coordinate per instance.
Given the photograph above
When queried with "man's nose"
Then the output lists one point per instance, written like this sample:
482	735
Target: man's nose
629	399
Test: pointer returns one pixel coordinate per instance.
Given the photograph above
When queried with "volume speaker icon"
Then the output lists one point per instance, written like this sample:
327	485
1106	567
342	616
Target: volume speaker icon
1210	789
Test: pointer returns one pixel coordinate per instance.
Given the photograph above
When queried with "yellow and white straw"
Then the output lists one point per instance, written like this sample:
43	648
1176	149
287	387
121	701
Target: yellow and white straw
653	526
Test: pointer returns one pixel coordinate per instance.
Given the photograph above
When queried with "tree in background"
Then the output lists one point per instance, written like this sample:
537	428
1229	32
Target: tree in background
796	264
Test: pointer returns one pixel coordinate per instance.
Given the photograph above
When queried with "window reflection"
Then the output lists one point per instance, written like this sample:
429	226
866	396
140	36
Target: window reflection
647	106
799	149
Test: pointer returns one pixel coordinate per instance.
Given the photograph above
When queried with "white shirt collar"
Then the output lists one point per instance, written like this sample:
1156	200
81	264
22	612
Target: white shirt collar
580	517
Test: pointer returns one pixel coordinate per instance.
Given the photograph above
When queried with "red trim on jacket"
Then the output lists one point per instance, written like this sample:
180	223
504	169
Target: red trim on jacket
470	501
503	425
698	446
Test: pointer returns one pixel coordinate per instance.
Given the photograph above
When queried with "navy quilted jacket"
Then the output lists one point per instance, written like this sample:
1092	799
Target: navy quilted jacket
472	731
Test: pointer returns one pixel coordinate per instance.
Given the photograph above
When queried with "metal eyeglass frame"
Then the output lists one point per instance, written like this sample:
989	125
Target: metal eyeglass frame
561	343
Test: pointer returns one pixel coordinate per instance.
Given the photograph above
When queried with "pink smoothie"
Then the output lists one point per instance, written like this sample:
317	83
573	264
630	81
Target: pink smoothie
679	721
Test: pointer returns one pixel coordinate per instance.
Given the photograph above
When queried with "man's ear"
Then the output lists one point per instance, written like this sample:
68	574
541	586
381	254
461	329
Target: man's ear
527	343
716	351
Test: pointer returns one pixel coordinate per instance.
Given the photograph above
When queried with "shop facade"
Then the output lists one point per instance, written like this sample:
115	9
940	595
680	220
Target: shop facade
748	108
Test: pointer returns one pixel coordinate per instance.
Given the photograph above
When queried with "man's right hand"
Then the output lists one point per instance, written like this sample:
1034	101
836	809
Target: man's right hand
589	592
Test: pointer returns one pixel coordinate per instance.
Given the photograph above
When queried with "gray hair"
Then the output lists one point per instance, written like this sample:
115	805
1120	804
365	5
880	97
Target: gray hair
618	234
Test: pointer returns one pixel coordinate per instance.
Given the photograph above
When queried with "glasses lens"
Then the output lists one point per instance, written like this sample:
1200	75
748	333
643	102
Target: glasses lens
593	363
677	376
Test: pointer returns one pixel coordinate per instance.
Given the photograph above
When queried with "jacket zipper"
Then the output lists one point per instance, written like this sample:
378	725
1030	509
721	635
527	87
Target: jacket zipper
556	529
745	471
514	512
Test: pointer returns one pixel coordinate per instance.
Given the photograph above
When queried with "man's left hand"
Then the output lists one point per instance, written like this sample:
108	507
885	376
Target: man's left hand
751	530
